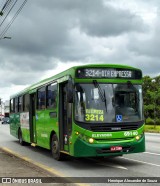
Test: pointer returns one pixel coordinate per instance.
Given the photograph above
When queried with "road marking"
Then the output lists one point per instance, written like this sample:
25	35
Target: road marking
152	153
49	169
142	162
109	164
112	165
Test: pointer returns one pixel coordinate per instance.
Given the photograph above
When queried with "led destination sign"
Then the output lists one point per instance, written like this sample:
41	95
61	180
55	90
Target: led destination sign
108	73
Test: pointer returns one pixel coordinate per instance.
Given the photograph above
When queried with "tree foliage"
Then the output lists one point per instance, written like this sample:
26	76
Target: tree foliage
151	98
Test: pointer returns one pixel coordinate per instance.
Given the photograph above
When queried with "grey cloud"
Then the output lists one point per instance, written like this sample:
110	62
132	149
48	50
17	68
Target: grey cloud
43	33
108	21
147	46
45	26
24	70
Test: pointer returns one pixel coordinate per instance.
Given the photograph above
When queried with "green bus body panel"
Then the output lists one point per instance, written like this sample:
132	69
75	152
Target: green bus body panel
78	146
44	126
102	140
14	124
26	135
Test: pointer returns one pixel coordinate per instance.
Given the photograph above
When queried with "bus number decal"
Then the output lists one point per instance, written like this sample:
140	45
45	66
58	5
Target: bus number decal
131	133
94	115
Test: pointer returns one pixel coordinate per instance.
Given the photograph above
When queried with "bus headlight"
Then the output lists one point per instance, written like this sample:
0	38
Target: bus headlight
91	140
138	137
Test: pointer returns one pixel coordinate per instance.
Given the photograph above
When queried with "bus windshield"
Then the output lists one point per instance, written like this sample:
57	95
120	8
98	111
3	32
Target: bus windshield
108	103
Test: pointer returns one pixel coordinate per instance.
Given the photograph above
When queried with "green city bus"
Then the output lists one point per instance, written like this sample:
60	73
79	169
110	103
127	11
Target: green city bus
85	111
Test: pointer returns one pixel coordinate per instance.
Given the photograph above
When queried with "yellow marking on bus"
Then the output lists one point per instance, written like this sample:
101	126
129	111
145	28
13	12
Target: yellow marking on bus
33	144
46	168
64	152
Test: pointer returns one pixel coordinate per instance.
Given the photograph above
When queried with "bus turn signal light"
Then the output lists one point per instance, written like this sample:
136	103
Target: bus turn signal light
77	133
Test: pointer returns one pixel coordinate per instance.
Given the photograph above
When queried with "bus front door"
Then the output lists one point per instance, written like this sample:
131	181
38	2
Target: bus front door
32	117
65	116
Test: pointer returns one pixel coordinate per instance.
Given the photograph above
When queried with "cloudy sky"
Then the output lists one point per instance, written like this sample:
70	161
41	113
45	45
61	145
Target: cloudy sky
49	36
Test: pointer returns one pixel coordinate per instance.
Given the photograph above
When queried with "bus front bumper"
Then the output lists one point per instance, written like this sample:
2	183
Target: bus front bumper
84	149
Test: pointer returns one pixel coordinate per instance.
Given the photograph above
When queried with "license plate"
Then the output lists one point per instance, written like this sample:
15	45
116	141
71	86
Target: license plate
116	148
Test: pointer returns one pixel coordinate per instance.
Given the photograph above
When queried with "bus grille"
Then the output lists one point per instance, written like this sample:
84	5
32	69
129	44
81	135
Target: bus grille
114	128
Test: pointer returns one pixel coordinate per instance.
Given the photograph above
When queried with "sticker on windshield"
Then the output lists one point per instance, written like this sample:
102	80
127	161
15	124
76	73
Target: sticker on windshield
94	115
118	118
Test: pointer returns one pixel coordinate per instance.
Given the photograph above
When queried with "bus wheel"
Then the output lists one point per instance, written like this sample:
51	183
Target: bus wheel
55	148
20	137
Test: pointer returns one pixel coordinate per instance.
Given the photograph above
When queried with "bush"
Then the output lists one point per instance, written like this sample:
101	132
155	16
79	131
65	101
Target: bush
149	121
157	121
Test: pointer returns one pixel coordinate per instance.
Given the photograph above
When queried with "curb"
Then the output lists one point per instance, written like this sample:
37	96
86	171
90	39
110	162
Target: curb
41	166
51	171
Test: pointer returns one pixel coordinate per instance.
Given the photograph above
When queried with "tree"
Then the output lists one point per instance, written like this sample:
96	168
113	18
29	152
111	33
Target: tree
151	97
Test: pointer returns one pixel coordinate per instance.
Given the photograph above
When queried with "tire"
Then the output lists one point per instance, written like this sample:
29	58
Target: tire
55	148
20	137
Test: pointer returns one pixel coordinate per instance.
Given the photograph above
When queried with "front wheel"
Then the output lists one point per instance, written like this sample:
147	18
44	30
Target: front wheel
55	148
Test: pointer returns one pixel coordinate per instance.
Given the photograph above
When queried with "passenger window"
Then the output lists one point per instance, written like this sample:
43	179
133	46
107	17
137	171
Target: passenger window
16	105
41	101
52	96
20	104
12	106
26	103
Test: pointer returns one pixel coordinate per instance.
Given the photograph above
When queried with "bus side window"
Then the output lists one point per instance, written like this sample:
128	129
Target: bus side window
20	104
12	106
51	96
16	105
26	102
41	100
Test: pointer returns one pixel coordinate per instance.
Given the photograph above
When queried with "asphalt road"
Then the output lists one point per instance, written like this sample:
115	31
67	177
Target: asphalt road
134	165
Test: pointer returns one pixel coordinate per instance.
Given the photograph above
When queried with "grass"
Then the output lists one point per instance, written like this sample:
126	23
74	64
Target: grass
152	128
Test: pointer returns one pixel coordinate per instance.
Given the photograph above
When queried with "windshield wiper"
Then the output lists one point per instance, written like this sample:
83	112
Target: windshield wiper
101	93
